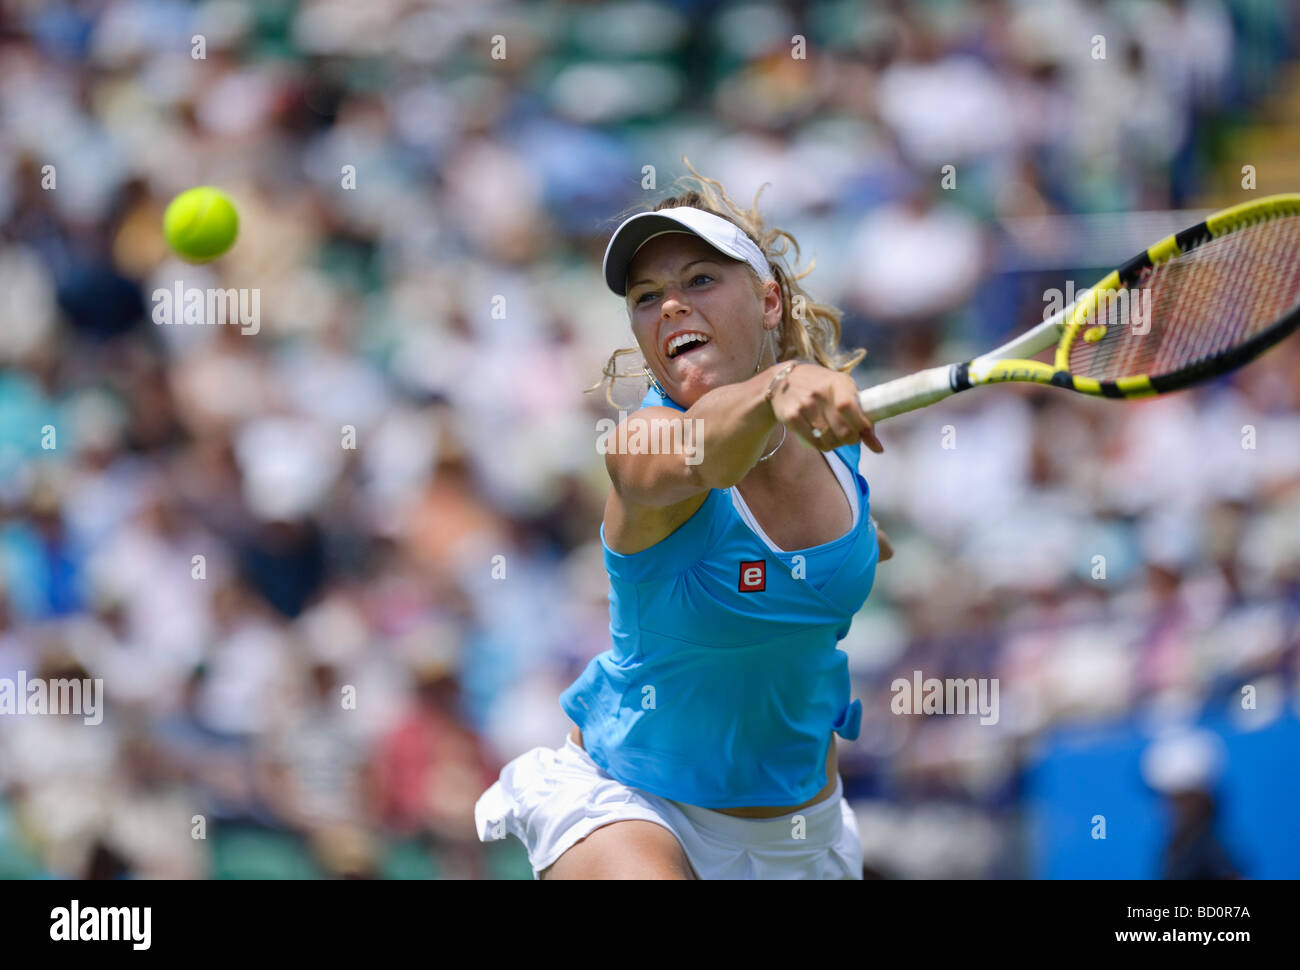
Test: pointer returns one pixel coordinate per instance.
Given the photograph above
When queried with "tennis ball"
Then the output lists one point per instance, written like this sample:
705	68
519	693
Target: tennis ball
200	224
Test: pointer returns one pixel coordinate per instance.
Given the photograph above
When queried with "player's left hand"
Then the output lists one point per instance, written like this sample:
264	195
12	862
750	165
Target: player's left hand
886	547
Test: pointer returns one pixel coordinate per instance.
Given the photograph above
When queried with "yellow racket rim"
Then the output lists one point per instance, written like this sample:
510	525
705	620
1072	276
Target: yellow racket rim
1087	311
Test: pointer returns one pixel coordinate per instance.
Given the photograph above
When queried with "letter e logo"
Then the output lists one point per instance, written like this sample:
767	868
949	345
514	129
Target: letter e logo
753	576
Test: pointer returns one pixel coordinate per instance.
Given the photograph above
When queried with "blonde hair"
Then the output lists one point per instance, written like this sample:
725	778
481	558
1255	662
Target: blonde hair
809	330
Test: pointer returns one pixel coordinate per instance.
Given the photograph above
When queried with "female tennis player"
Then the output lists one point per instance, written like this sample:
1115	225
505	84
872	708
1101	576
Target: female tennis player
703	739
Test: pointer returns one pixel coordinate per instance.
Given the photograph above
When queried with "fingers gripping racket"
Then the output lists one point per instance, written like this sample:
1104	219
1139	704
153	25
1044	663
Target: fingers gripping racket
1195	305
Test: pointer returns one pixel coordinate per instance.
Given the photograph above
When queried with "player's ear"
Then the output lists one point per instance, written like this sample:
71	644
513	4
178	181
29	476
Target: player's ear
772	308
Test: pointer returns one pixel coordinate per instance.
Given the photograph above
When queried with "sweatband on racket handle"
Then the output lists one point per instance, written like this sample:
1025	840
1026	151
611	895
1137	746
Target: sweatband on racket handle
906	393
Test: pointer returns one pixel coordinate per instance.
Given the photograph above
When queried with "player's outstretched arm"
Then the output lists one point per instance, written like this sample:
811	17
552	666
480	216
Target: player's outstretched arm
726	432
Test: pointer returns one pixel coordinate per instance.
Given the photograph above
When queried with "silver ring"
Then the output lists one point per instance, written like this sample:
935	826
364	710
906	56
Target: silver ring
817	432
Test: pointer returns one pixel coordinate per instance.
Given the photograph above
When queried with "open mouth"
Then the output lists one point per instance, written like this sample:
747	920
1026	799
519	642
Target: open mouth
684	343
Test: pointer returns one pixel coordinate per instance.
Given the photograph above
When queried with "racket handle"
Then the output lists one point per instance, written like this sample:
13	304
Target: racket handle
906	393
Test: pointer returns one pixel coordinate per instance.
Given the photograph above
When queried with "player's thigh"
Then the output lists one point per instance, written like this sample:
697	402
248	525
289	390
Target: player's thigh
631	849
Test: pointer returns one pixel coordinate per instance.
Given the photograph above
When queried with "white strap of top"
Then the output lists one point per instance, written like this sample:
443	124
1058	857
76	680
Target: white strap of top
842	474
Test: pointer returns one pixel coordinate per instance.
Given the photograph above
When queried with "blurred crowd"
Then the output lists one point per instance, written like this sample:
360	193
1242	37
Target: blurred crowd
390	493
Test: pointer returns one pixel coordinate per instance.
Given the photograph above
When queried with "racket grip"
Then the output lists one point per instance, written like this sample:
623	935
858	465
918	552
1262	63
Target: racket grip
906	393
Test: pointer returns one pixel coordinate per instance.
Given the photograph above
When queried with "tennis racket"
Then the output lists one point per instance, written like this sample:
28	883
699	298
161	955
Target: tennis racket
1195	305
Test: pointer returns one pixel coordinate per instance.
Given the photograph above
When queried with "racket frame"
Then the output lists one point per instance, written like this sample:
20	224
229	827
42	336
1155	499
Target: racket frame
1010	362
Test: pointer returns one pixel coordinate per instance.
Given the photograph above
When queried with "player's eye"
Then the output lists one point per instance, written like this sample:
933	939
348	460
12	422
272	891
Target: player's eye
642	298
702	276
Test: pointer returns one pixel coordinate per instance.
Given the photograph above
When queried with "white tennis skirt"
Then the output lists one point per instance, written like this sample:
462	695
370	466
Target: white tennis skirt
550	798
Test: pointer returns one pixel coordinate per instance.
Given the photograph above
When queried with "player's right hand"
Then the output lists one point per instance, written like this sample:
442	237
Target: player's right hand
821	406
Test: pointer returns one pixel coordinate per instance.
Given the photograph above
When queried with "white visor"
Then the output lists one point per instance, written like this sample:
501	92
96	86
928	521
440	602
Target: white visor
726	237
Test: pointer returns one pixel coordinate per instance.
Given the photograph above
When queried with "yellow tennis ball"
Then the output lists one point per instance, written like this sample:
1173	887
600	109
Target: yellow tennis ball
200	224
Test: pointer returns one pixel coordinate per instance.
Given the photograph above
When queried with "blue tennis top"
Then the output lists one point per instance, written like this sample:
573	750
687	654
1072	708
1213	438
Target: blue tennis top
725	678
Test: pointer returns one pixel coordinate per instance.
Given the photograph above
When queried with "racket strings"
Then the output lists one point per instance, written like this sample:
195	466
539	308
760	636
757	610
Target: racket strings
1250	284
1194	307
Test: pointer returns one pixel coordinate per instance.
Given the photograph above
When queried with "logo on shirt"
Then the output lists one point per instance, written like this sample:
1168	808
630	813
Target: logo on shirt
753	576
